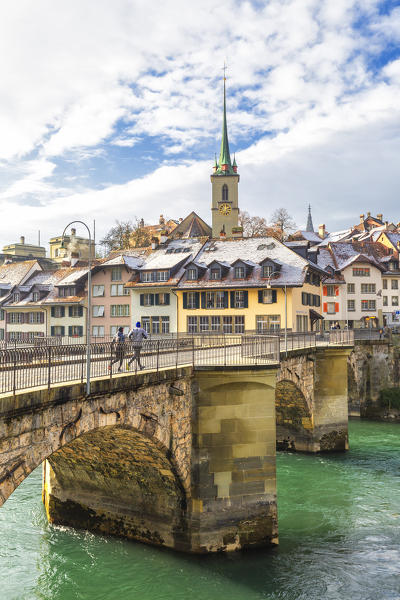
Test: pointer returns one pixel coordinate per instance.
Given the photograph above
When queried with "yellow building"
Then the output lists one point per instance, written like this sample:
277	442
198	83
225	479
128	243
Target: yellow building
25	250
238	285
70	248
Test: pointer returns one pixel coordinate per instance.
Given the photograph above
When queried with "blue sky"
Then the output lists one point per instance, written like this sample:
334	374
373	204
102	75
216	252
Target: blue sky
111	110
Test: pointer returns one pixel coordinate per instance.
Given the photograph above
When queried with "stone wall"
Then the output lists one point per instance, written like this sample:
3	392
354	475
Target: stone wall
372	366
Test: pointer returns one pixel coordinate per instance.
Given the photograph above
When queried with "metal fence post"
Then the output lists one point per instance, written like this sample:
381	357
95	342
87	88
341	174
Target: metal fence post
158	354
15	368
49	369
193	351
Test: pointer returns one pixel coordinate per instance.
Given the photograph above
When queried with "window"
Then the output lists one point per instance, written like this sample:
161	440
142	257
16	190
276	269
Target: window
191	274
227	324
75	311
385	300
268	323
368	288
164	324
210	299
66	290
384	284
225	193
35	317
117	289
162	275
331	290
395	300
239	299
191	300
35	296
146	324
116	274
240	272
155	325
16	317
267	270
98	330
301	323
114	329
98	310
75	330
98	290
146	299
367	305
215	273
126	291
147	276
57	330
351	288
16	297
351	305
119	310
215	323
330	308
203	324
267	296
58	312
162	299
239	324
361	272
192	324
395	284
220	300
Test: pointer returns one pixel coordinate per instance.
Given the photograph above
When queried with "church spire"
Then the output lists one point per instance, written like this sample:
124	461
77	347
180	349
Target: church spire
310	226
225	166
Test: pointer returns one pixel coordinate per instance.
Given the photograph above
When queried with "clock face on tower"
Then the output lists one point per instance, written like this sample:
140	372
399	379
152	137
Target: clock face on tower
224	209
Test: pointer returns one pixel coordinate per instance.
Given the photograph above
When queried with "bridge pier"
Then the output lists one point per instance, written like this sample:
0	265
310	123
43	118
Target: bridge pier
311	400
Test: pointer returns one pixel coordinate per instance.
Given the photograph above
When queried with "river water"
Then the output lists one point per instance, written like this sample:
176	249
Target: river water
339	518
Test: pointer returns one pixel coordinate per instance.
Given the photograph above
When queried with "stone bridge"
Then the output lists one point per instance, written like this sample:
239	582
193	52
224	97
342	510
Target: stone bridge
183	457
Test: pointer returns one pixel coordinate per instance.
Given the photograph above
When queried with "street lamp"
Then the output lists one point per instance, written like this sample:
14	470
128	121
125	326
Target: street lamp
89	306
269	287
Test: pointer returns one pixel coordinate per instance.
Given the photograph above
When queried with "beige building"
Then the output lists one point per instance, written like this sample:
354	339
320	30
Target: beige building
24	250
71	248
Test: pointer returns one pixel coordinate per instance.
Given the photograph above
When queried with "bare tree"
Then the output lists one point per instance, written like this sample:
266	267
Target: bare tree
252	226
126	234
282	223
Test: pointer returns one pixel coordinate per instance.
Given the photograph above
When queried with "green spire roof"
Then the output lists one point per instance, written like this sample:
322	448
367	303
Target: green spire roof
224	163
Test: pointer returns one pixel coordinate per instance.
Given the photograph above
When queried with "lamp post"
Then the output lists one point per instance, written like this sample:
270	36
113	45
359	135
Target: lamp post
269	287
89	302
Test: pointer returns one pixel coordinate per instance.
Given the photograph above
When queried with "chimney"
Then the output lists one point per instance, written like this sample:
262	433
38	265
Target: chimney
161	220
362	219
22	240
73	231
321	231
154	243
222	233
368	214
380	217
386	224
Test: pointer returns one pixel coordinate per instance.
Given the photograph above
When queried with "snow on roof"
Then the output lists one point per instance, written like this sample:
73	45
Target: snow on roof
336	236
73	277
255	250
173	253
310	236
13	273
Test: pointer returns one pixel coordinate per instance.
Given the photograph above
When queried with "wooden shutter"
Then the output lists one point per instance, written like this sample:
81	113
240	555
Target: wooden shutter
232	299
52	312
70	311
337	290
325	290
70	330
303	298
246	299
41	318
62	311
273	296
52	330
141	299
203	299
151	299
80	331
197	299
167	299
184	299
336	307
226	299
157	299
260	296
325	307
80	312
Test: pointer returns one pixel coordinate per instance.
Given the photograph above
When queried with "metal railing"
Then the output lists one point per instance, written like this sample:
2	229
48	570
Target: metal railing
22	368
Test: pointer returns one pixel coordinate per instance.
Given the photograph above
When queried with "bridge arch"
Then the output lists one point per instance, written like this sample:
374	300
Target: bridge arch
294	421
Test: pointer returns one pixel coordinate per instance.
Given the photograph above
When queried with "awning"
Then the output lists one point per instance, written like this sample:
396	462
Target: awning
314	316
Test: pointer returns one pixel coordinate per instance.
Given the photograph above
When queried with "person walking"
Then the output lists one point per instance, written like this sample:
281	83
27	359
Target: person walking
137	336
118	344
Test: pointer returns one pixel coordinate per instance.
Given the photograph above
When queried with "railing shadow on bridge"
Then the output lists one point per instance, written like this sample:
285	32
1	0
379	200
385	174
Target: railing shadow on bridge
28	367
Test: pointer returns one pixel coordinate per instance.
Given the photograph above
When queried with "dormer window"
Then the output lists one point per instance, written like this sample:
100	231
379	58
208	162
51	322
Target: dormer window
162	275
16	297
35	296
225	194
146	276
240	272
215	273
192	274
267	270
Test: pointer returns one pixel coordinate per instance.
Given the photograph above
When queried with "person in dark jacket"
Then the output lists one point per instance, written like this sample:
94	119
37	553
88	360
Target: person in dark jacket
118	345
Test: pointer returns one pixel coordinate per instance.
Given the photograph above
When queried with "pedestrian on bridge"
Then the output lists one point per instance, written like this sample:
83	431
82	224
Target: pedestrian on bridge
137	335
118	344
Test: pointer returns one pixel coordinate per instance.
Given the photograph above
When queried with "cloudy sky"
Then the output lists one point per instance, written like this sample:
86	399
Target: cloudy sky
111	110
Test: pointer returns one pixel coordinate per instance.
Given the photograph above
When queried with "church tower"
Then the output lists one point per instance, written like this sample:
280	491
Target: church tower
224	181
310	226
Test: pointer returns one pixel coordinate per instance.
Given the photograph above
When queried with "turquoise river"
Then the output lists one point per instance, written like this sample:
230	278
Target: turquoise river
339	533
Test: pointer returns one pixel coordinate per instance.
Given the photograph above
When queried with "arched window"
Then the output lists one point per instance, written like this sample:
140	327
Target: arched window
224	193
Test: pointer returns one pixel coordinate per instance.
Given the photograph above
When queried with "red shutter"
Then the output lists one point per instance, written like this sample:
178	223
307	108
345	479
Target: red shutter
337	291
324	291
336	307
325	307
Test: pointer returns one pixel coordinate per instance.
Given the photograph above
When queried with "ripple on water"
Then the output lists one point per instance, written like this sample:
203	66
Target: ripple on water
339	540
